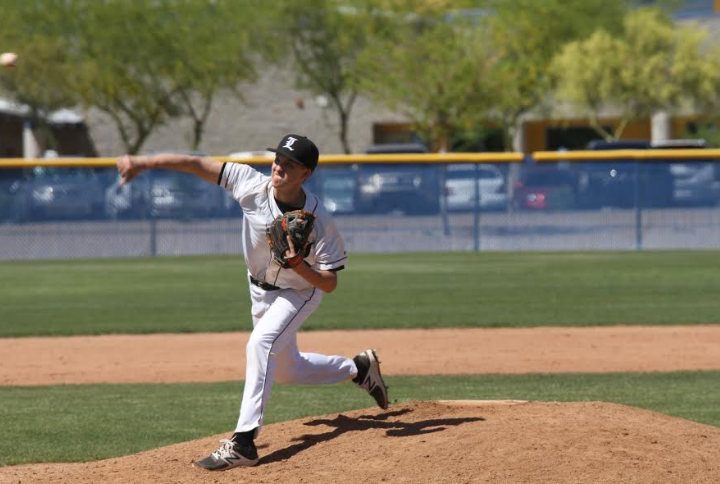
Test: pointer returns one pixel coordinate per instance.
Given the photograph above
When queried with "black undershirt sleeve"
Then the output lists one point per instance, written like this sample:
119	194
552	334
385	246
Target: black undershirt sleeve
221	173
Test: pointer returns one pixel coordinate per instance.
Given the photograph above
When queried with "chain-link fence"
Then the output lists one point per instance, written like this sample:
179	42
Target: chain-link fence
457	204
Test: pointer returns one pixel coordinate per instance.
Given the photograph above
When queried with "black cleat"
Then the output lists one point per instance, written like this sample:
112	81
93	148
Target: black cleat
369	377
229	455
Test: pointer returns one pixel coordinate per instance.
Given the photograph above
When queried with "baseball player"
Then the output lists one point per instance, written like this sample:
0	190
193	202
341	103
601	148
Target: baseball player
282	297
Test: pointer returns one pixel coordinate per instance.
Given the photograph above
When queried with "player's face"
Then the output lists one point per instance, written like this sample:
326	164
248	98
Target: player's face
287	173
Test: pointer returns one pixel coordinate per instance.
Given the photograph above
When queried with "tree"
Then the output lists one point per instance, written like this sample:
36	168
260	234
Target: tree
45	77
653	65
484	50
211	48
526	35
433	71
325	39
147	61
121	50
589	73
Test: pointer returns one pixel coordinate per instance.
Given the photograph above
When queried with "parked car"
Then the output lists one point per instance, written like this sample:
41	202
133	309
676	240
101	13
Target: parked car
695	182
405	187
50	193
662	183
463	181
626	144
8	178
620	182
166	194
545	188
338	188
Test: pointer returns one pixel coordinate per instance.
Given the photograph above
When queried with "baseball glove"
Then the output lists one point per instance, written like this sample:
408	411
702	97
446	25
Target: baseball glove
297	224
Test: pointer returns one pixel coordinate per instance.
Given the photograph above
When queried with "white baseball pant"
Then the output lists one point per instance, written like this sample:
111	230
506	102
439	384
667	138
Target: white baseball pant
272	351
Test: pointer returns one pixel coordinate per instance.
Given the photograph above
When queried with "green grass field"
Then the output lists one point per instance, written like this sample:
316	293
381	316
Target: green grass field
87	422
376	291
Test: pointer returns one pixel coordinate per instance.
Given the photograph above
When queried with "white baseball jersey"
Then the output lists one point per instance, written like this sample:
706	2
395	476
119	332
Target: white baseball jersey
254	192
272	351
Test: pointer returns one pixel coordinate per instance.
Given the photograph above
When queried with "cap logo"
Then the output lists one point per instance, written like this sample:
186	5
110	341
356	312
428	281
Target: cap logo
289	142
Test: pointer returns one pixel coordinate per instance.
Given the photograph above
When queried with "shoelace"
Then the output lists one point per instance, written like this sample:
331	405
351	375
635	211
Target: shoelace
225	449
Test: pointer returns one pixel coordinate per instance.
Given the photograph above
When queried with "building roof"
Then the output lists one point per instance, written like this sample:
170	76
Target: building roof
61	116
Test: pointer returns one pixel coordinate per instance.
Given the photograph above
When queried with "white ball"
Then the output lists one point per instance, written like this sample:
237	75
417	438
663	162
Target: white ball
8	59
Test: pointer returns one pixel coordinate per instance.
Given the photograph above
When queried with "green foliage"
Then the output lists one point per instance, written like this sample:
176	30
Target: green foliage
46	74
433	71
101	421
587	72
710	132
209	50
141	62
43	77
448	72
324	39
652	65
124	47
526	35
375	291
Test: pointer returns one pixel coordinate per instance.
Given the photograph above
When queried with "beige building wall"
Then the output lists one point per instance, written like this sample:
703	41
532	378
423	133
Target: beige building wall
270	111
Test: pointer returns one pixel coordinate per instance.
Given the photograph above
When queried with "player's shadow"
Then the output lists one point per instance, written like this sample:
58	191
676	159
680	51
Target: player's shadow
342	424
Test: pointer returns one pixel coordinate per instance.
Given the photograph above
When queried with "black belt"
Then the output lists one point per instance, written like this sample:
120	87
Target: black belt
263	285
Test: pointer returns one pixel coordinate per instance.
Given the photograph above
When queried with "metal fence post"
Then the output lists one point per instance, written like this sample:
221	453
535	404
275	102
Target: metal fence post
151	217
153	236
638	208
444	199
476	210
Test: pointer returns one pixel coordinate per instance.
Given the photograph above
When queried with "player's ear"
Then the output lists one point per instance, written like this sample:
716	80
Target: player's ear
307	174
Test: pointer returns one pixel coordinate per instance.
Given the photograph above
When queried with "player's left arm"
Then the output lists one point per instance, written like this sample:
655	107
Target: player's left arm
326	281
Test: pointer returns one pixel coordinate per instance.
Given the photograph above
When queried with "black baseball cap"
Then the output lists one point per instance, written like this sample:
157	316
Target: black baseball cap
299	149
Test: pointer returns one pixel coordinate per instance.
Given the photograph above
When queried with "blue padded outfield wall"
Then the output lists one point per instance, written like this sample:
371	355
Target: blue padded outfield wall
626	200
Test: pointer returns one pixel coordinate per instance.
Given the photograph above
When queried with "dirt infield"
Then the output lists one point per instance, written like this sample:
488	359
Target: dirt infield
207	357
440	442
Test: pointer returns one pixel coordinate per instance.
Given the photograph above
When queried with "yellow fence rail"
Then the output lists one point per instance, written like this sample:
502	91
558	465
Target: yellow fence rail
327	159
601	155
440	158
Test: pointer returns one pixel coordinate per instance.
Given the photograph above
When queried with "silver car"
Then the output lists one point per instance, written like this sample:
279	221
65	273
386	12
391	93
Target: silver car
462	181
165	194
50	193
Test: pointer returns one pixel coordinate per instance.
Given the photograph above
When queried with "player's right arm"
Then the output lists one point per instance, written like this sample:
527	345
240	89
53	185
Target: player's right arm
206	168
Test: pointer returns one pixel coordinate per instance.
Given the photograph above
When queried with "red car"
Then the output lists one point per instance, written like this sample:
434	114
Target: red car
545	189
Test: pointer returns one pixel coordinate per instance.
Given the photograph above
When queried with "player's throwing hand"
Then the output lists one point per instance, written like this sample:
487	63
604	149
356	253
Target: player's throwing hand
127	169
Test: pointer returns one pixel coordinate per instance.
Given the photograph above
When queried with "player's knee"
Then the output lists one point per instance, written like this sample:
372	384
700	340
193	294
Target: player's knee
284	376
259	342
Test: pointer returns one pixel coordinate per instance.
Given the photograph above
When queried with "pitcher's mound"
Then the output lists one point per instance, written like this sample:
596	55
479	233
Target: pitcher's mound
493	441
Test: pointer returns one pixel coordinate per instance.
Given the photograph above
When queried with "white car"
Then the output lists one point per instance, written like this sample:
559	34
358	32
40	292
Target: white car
462	181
